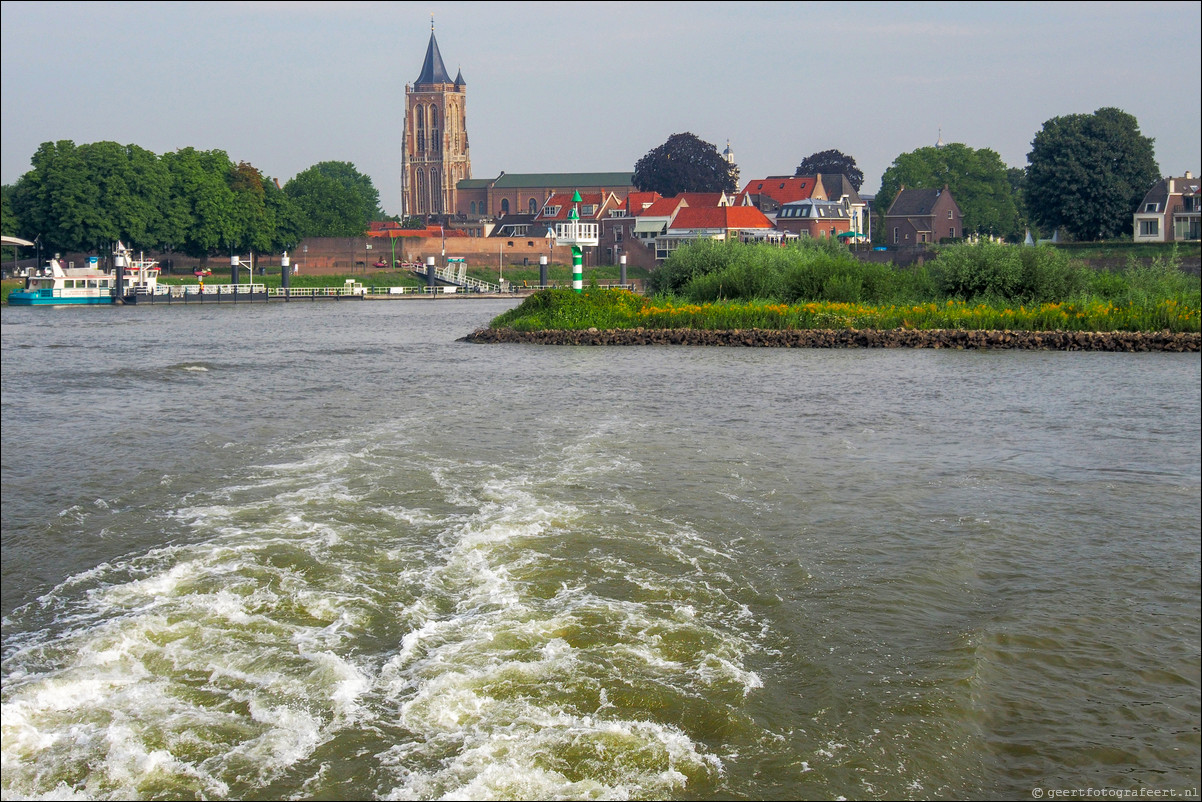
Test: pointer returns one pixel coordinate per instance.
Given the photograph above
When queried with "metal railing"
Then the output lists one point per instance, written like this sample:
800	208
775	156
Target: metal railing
459	277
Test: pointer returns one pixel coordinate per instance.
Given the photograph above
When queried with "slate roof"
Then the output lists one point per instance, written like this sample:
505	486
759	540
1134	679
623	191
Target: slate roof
837	186
506	225
1159	193
914	203
564	201
433	71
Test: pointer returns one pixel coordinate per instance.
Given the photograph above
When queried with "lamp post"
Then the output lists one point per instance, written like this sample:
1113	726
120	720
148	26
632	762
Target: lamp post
237	262
366	255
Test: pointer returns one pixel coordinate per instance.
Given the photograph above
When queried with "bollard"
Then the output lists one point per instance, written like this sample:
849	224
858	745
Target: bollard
542	272
622	270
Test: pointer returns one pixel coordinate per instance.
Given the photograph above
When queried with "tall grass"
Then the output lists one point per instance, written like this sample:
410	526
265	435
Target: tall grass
714	285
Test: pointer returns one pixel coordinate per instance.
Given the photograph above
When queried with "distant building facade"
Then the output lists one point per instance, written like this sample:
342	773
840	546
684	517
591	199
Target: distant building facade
527	193
434	145
919	216
1170	211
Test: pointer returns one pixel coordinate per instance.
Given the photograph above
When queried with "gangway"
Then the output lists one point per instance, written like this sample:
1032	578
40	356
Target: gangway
455	273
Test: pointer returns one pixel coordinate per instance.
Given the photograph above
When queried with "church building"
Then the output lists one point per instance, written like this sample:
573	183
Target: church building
434	147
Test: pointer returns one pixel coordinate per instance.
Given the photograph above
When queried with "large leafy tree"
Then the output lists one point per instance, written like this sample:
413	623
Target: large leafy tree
977	179
832	162
1087	173
334	199
685	163
202	209
53	199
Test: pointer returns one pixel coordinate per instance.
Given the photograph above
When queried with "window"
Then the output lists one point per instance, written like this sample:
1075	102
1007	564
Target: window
949	214
550	211
1149	228
617	233
1151	208
951	232
895	240
473	208
504	205
588	210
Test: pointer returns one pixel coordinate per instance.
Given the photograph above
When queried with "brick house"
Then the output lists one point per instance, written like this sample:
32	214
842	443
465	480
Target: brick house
617	235
526	193
770	194
1170	211
815	218
919	216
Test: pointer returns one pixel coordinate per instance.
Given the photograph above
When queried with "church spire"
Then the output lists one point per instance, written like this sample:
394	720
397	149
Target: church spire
433	70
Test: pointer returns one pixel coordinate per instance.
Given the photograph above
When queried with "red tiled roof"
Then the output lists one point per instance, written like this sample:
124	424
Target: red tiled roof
781	189
635	200
695	199
725	217
664	207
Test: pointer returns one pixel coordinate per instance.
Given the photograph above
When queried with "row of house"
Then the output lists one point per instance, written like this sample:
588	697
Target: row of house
521	209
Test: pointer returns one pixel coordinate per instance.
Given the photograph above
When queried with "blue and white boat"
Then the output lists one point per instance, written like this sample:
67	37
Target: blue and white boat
56	285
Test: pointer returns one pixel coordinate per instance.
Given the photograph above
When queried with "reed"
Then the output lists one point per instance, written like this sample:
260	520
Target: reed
619	309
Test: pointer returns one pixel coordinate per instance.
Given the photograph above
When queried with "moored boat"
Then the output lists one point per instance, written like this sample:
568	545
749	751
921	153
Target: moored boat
58	285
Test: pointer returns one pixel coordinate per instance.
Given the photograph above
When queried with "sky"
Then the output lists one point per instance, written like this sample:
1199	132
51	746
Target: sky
592	87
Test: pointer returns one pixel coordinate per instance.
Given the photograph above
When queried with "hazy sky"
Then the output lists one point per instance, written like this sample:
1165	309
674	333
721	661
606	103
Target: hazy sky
577	86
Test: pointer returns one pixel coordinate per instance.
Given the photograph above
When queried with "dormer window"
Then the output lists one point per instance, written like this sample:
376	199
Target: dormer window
1151	208
588	209
550	211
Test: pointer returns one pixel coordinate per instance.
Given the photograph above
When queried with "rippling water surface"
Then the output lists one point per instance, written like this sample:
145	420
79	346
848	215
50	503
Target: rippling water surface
327	551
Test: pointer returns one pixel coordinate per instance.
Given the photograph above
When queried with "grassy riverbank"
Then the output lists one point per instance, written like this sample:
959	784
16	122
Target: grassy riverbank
715	286
616	309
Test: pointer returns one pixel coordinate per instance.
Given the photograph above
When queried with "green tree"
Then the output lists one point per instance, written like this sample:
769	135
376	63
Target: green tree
832	162
285	216
254	223
202	213
87	197
53	199
1087	173
977	180
334	200
685	163
9	225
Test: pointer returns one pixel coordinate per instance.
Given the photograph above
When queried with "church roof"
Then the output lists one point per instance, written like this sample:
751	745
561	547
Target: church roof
433	70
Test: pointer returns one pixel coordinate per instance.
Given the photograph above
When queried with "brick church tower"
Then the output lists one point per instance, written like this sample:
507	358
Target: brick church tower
434	150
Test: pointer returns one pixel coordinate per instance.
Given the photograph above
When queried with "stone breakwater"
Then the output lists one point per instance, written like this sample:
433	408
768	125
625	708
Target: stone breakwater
855	338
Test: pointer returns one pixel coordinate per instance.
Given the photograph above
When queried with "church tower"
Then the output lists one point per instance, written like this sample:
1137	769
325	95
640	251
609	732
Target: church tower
434	150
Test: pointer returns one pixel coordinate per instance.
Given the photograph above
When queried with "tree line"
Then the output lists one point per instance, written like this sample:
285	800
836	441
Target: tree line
1085	174
86	197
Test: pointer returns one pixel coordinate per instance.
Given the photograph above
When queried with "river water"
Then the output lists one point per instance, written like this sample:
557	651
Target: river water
328	551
